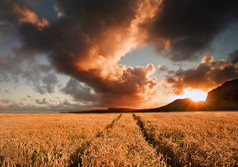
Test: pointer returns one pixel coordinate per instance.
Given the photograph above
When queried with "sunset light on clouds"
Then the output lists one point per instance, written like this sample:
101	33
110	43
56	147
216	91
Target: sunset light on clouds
58	55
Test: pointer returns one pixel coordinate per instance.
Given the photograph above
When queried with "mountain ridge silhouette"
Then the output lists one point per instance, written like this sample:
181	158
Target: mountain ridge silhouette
224	97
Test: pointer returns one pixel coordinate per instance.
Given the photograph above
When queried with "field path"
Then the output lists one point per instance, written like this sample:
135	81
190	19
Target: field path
120	144
150	137
76	157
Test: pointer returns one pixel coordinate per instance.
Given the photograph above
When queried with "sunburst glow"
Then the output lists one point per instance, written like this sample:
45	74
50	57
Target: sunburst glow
194	94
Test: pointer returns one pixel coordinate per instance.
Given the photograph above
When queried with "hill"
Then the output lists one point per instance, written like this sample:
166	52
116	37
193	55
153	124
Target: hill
183	105
224	97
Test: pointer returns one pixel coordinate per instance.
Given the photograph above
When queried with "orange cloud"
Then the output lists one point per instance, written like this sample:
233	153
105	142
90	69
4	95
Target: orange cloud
25	15
89	38
207	75
92	55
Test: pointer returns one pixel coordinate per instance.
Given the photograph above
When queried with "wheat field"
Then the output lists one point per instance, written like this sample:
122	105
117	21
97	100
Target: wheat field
194	138
139	139
46	139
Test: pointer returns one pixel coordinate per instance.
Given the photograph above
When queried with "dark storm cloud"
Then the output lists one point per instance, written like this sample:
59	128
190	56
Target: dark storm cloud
50	82
233	57
6	7
79	91
20	12
20	69
89	38
20	63
8	35
207	75
42	83
87	41
189	26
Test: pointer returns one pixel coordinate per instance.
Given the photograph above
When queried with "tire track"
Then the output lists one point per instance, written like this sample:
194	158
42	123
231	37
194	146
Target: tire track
108	127
150	137
122	145
76	157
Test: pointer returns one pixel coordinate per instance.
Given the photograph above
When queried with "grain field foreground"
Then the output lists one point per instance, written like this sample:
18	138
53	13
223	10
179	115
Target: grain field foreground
140	139
122	145
46	139
193	139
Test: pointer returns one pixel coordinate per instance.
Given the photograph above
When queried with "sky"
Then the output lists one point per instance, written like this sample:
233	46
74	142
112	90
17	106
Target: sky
73	55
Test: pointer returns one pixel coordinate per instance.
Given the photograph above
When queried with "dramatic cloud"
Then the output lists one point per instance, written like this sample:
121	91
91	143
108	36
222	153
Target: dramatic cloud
233	57
187	27
49	82
88	40
18	10
80	91
207	75
29	70
89	37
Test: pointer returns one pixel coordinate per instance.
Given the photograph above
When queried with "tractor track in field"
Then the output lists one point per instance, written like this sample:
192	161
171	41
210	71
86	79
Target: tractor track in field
122	145
149	135
76	157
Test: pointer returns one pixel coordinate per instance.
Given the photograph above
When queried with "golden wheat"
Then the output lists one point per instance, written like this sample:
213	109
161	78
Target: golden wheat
197	139
46	139
184	139
122	145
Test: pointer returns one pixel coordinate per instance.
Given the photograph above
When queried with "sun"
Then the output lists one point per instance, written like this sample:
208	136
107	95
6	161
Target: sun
194	94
